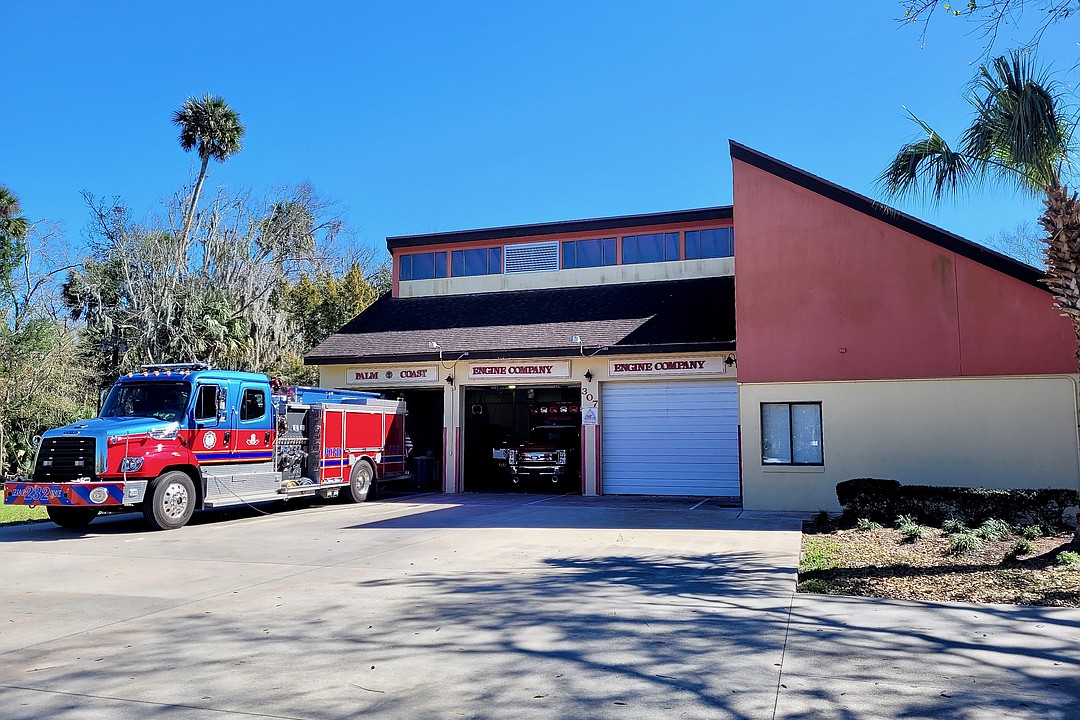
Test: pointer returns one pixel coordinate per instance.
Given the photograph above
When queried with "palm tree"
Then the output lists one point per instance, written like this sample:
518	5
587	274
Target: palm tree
209	126
1021	135
13	231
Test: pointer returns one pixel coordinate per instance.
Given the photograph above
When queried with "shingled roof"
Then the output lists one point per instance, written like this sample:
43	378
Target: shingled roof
669	316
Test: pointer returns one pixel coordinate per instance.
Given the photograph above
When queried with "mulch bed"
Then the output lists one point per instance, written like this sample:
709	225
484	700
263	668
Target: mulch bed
879	563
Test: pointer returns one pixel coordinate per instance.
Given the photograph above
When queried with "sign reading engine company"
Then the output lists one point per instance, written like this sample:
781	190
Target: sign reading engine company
391	375
531	370
667	366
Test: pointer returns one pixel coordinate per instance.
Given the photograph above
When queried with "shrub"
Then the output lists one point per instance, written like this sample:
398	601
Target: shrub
867	525
822	518
993	530
1068	557
952	525
1032	532
964	542
909	529
1022	547
883	500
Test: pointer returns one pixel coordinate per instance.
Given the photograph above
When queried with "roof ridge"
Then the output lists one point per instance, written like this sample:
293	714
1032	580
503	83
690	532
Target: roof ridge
885	213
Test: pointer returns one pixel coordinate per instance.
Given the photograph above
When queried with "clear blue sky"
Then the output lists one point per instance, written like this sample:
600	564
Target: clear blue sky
434	116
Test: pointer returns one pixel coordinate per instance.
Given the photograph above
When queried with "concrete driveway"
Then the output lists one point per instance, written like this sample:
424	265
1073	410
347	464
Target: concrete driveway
493	607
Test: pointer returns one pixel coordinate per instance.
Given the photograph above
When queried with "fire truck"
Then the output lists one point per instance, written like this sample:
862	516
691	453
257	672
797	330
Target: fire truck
177	438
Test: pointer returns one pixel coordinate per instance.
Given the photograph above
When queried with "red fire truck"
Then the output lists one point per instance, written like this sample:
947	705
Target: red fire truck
173	439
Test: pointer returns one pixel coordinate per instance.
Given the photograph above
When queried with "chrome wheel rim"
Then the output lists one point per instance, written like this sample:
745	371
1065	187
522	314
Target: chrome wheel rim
174	502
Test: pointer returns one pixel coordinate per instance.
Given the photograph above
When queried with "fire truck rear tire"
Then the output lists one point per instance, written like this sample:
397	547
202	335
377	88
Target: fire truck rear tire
170	501
360	482
72	517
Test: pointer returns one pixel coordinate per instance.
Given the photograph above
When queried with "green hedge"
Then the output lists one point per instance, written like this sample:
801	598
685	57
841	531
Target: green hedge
885	500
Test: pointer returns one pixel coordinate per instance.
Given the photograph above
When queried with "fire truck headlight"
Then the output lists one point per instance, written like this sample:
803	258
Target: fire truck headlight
131	464
166	432
562	457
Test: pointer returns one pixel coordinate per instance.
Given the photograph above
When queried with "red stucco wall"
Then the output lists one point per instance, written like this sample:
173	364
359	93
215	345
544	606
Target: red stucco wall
824	292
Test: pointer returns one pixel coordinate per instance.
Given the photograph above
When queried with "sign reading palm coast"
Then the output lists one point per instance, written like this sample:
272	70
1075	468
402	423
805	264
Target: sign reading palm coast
532	369
391	375
667	366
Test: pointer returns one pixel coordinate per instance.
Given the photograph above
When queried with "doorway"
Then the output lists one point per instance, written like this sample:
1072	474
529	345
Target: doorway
497	420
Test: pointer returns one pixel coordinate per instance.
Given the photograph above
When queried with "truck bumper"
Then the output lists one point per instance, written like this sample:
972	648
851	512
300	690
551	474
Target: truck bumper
94	494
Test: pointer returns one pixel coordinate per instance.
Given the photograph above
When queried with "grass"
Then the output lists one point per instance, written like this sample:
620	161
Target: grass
820	554
21	513
1032	532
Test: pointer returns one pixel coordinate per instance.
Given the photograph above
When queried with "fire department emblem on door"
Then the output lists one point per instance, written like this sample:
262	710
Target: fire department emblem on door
209	440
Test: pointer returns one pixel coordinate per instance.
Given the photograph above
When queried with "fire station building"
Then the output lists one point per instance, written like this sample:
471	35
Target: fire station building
760	352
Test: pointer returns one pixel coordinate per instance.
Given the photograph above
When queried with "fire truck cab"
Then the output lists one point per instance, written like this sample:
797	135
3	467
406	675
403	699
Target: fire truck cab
173	439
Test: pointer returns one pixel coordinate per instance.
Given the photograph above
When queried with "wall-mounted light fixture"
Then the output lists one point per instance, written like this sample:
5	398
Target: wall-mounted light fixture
730	360
588	375
450	380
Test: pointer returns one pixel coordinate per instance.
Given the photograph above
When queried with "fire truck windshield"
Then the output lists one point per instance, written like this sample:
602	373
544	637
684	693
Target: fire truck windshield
161	400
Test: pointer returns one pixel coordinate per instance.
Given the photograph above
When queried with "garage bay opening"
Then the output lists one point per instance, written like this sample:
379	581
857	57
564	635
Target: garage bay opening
522	439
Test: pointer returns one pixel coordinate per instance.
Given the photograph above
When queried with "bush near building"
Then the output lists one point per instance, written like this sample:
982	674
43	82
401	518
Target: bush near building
885	500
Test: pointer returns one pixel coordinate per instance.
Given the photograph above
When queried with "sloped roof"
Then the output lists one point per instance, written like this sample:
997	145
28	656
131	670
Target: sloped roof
668	316
892	216
598	225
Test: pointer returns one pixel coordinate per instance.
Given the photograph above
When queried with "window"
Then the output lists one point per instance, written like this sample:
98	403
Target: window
657	247
714	243
791	434
253	404
588	253
206	403
483	261
422	266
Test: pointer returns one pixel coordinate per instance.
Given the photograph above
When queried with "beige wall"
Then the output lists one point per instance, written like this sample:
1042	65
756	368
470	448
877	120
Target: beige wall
598	366
994	432
612	274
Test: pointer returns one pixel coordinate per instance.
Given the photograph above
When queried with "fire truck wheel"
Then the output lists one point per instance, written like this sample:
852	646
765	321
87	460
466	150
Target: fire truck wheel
170	501
359	482
72	517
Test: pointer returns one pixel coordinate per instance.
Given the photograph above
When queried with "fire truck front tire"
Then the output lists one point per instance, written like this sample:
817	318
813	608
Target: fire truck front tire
360	481
170	501
72	518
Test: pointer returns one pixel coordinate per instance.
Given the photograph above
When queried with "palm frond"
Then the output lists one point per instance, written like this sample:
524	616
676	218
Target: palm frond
926	166
1020	131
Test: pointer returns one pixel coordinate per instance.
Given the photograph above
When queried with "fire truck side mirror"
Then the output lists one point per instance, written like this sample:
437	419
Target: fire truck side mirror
36	440
222	398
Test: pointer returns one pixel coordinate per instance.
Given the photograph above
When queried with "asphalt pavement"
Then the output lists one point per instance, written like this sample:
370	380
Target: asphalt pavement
493	606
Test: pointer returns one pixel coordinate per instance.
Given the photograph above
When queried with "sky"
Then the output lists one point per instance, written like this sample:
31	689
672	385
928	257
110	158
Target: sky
425	117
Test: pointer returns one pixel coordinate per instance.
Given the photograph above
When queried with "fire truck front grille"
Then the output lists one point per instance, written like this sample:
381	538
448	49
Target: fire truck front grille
63	459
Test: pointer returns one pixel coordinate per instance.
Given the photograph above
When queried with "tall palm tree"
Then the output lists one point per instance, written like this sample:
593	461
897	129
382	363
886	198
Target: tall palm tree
1021	135
13	231
209	126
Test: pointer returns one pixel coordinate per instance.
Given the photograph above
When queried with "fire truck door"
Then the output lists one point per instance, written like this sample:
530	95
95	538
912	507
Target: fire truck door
211	423
253	440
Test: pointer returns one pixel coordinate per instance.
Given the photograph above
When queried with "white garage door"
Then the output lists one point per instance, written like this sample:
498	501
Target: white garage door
670	438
